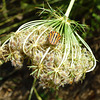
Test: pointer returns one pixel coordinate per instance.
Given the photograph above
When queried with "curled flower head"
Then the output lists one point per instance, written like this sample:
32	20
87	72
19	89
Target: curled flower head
65	62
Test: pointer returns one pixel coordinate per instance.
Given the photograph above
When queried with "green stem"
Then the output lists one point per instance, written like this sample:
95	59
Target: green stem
35	91
69	8
4	9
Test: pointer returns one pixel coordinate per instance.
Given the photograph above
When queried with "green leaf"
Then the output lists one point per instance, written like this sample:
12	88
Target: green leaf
50	72
34	72
32	66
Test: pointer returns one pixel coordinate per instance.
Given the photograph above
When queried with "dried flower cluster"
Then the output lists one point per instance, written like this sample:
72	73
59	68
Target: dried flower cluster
54	65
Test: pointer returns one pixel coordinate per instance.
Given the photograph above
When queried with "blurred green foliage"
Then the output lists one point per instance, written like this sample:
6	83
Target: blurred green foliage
13	13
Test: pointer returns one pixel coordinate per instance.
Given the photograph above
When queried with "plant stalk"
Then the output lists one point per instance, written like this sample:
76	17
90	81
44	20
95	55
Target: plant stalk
4	9
35	91
69	8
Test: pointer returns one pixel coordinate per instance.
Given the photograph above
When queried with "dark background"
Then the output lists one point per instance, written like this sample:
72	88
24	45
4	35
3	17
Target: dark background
15	83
